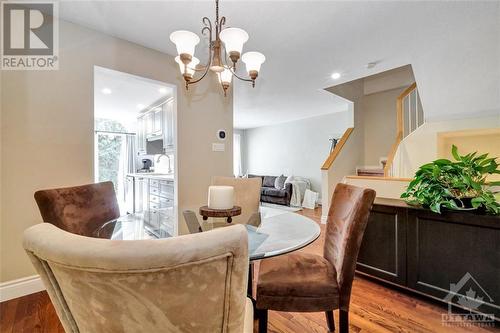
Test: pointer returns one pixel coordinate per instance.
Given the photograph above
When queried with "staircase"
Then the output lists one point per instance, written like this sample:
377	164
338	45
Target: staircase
374	171
410	117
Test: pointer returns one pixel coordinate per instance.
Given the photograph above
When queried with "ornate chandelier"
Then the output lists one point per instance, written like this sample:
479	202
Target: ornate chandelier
228	43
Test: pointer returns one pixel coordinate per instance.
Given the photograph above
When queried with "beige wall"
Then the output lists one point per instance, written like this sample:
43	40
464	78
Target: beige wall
374	118
379	119
47	130
481	141
352	152
421	146
295	148
390	188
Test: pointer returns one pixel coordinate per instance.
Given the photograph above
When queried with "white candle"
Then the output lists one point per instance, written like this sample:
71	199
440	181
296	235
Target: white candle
220	197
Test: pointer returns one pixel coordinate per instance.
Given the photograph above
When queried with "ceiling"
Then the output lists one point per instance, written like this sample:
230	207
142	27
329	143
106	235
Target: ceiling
127	95
453	47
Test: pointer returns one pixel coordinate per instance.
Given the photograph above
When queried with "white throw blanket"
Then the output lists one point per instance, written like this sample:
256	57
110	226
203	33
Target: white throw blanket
299	187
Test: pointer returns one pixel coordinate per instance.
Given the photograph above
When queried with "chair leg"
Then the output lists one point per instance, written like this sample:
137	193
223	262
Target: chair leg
344	321
262	320
330	321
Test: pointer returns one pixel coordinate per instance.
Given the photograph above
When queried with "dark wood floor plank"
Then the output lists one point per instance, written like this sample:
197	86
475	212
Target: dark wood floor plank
375	308
8	315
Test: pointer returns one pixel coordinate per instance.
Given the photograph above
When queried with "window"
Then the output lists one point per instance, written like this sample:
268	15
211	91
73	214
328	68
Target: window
237	155
114	155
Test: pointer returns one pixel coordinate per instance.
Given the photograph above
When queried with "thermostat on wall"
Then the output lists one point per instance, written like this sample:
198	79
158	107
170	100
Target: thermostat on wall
221	134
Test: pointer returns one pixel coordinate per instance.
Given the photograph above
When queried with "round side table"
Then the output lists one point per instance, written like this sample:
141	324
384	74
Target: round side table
228	213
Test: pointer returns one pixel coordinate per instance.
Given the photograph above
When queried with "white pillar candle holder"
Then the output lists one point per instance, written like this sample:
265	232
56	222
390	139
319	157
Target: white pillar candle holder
220	197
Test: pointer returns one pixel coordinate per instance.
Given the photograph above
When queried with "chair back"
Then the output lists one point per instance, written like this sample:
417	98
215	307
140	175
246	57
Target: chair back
347	219
192	221
79	209
191	283
246	195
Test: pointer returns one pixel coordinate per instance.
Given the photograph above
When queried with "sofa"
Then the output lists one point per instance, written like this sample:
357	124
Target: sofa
269	193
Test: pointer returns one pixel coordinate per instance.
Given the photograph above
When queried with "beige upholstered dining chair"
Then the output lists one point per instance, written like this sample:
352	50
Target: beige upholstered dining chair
192	283
302	282
79	209
246	195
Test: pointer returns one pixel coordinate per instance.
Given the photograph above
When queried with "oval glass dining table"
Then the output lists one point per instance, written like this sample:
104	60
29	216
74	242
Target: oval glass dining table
279	233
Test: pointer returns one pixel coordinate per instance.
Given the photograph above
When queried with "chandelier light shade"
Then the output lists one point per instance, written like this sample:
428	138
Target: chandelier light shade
226	76
187	69
253	61
185	41
233	39
225	48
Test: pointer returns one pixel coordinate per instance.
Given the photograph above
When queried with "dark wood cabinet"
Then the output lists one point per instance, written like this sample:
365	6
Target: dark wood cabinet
427	252
383	251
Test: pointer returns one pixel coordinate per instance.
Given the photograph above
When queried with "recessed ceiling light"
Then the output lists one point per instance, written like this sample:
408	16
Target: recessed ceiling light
336	76
163	90
141	106
106	91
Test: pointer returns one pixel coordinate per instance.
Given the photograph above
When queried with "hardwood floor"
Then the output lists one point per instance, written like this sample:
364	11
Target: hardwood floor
374	308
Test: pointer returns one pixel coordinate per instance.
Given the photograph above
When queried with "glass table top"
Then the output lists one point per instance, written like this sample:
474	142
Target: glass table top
278	234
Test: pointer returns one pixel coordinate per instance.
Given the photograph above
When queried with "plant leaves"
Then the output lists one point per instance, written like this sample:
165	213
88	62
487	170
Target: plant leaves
454	152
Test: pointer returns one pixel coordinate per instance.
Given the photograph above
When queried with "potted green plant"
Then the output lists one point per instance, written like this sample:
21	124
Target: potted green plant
457	185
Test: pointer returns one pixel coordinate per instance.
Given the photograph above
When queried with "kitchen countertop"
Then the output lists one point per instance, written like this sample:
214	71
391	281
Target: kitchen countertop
153	175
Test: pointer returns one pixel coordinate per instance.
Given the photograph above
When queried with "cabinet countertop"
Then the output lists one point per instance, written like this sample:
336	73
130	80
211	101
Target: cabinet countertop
153	175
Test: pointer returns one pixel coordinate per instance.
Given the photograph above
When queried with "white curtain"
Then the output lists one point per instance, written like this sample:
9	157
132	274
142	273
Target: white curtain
126	165
237	155
130	153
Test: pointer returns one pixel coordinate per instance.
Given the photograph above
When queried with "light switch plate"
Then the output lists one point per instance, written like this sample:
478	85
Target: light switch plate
218	147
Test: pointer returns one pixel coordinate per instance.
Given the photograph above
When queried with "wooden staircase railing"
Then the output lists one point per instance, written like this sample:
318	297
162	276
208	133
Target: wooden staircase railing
335	152
409	117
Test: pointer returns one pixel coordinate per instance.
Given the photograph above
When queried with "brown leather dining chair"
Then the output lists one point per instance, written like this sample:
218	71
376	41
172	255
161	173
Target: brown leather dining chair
80	209
302	282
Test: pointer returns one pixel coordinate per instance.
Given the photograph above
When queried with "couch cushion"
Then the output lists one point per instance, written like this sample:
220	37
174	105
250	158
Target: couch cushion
268	181
297	282
272	192
279	183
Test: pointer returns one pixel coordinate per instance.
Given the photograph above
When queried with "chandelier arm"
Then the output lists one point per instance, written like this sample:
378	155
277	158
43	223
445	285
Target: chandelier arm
231	68
239	77
206	28
222	22
204	74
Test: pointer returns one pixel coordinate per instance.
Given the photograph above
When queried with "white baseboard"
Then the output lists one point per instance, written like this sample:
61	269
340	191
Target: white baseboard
324	219
20	287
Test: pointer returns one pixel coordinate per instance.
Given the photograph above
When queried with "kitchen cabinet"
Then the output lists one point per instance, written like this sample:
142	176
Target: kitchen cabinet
161	203
157	123
425	252
169	123
141	136
141	198
149	119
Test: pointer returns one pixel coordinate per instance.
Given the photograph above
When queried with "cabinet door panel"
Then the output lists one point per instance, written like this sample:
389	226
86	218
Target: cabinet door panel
157	122
141	136
168	124
383	250
148	118
442	251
